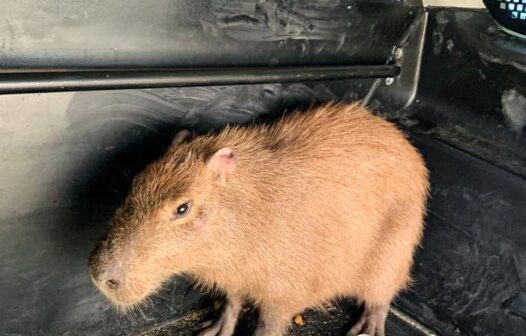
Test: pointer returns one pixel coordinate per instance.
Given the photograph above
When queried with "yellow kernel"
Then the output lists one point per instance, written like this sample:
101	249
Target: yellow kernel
298	319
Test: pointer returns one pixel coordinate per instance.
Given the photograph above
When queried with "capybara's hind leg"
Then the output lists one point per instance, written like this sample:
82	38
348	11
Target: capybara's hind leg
372	321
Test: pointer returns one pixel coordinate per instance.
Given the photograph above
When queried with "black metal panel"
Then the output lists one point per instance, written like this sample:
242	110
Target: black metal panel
472	92
190	33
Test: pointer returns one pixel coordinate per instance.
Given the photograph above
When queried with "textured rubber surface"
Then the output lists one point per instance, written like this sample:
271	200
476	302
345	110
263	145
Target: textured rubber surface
472	263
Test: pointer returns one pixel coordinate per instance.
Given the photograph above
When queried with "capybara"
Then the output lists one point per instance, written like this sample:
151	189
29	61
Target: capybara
319	205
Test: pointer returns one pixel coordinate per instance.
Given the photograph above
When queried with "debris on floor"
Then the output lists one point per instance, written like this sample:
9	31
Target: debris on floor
334	321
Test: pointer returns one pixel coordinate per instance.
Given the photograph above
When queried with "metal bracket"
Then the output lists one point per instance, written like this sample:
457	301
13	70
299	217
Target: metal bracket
399	92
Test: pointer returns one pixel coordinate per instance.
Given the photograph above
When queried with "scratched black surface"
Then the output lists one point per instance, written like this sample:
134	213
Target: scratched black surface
472	92
471	270
179	33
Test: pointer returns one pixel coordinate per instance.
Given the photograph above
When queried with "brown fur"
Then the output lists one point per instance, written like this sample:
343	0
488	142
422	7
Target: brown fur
323	204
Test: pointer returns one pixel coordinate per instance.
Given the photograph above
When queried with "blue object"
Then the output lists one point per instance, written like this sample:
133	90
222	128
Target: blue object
509	14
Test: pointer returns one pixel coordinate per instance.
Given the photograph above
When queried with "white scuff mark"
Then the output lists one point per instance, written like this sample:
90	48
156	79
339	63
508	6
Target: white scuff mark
438	37
514	109
450	45
454	3
272	21
492	59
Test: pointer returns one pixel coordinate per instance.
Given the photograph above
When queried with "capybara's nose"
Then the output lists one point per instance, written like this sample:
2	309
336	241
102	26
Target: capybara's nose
104	278
111	284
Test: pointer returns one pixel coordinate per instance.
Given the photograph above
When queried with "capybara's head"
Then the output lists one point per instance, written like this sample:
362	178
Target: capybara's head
164	225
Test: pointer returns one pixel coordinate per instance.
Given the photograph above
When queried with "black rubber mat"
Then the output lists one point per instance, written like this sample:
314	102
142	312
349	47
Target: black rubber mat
336	321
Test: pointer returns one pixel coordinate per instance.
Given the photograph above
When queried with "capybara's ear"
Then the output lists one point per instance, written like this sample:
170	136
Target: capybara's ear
181	136
222	163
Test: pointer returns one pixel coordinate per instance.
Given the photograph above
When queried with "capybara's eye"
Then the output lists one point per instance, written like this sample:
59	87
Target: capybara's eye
182	210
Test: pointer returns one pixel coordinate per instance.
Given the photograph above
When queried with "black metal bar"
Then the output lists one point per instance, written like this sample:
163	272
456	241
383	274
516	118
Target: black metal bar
52	81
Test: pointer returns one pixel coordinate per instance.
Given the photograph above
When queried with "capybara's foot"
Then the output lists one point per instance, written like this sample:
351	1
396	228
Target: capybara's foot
226	323
372	321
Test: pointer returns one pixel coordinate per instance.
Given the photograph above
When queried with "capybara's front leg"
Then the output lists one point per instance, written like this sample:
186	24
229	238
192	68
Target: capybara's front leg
226	323
274	320
372	321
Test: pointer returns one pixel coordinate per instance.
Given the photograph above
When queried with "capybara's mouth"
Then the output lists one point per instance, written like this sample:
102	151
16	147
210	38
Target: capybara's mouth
128	295
122	286
125	293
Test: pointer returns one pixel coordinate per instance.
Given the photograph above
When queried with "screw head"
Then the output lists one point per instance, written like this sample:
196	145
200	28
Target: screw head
389	81
399	52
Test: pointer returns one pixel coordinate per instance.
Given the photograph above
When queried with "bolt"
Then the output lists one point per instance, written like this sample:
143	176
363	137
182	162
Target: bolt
389	81
399	52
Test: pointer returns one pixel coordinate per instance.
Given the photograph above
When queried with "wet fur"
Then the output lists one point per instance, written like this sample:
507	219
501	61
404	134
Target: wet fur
322	204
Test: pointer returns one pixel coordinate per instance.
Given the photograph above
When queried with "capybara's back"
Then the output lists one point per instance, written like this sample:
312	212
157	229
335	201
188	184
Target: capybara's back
323	204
